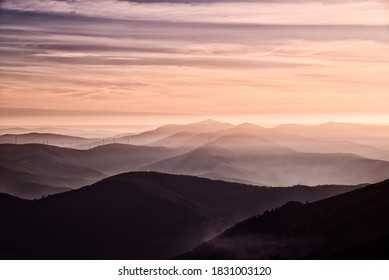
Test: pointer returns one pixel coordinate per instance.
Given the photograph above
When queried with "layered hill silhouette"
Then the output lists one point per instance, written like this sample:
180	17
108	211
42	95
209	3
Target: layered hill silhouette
372	135
364	140
33	170
162	132
45	138
259	161
139	215
83	133
27	185
250	153
297	137
245	153
44	165
354	225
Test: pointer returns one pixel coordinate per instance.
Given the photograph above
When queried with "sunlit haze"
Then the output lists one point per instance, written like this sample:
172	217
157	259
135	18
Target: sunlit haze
131	66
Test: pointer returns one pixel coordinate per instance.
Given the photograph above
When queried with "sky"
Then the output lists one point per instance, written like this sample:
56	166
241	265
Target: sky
122	63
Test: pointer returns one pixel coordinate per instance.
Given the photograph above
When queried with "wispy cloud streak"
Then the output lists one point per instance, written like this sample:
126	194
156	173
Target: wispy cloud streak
269	12
200	57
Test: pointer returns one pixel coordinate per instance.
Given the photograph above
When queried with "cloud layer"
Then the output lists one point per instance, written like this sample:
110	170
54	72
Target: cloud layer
202	57
254	12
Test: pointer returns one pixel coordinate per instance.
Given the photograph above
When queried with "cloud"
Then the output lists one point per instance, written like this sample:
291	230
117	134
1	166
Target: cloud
33	112
288	12
221	57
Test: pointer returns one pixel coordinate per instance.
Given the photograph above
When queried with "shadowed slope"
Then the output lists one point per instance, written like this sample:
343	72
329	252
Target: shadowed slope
348	226
118	158
47	165
44	138
309	139
162	132
47	160
246	158
117	218
372	135
9	203
140	215
26	185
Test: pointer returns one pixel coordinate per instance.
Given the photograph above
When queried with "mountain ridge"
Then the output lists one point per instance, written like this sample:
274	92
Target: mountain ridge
352	225
137	215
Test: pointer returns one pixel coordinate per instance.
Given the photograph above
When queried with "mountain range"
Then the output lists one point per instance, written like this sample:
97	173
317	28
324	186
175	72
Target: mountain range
138	215
54	167
353	225
246	153
372	135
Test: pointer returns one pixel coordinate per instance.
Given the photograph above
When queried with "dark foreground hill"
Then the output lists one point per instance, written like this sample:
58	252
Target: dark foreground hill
354	225
140	215
10	203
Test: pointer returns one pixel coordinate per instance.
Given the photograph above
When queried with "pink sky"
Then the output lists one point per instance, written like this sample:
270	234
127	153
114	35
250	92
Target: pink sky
314	60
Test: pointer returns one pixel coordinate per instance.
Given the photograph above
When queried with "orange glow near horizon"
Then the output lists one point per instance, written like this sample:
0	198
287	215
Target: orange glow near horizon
217	60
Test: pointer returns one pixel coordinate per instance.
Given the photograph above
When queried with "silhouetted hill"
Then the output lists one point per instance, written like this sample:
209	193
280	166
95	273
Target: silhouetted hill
139	215
9	202
45	161
95	162
171	129
247	158
207	161
354	225
41	166
44	138
83	133
27	185
308	139
372	135
180	139
245	153
195	139
117	158
249	153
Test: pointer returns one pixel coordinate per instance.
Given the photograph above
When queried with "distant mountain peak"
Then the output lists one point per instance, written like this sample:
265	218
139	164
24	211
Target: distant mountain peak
209	122
249	126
